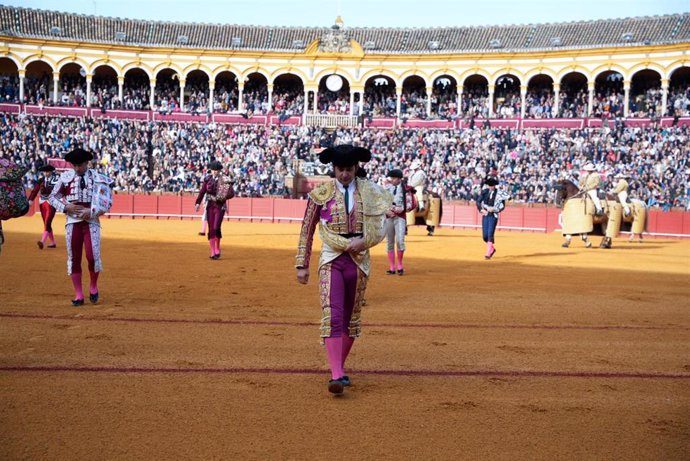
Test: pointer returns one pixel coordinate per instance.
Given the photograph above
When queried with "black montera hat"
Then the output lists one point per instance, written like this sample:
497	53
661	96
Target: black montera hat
77	156
491	181
345	155
215	165
395	174
47	168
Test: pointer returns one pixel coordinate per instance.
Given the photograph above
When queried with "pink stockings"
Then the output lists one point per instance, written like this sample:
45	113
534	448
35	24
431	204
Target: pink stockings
391	260
214	243
338	349
93	284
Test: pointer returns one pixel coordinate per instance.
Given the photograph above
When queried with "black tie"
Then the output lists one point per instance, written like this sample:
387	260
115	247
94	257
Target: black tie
347	199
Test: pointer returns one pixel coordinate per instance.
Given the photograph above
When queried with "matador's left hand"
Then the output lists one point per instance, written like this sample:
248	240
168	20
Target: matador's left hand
356	245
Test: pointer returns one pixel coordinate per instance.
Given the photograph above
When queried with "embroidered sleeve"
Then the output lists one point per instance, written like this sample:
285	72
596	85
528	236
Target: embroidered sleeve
202	192
306	236
501	199
36	188
55	198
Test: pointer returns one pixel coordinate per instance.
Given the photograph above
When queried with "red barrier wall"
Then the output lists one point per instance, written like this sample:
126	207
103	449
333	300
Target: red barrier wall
671	224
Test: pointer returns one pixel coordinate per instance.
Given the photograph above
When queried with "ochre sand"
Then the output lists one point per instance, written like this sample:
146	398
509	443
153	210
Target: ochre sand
540	353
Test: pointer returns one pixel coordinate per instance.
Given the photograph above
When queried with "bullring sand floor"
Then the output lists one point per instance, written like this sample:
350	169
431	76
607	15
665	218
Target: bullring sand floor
540	353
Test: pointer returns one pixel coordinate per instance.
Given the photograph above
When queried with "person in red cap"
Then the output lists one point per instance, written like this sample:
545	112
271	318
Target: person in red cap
218	190
351	212
44	187
83	195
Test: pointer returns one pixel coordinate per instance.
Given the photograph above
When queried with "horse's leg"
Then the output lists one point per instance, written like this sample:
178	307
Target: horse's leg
585	238
566	244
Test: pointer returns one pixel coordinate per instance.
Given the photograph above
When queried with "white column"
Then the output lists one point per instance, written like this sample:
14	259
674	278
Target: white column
306	102
459	100
211	88
120	89
429	90
21	86
664	96
626	98
182	84
398	94
361	102
491	100
240	97
89	78
56	80
152	95
352	102
270	97
590	101
523	100
316	101
556	100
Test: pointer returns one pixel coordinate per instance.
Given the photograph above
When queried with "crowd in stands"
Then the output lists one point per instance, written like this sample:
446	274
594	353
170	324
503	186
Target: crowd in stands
679	102
645	99
173	157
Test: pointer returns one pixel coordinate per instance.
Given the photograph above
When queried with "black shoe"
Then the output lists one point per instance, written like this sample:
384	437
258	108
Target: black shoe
77	302
40	245
202	233
489	256
336	386
52	246
215	257
389	272
401	272
345	380
93	297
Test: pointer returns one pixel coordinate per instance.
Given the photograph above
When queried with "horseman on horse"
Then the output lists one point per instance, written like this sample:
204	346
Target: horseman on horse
575	219
429	207
583	208
589	184
634	211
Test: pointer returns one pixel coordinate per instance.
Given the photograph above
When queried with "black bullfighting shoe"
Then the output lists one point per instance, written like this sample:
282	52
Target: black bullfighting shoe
345	380
77	302
93	297
336	386
390	272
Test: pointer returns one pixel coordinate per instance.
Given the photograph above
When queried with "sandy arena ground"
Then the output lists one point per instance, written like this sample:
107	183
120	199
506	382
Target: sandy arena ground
541	353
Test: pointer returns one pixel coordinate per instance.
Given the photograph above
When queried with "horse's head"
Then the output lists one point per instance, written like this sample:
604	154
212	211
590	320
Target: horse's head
565	189
13	202
559	187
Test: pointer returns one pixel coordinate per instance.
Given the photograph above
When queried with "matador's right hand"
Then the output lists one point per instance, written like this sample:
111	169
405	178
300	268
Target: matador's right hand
303	275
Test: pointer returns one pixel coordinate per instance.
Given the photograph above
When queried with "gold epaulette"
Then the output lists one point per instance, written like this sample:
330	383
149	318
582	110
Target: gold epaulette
323	193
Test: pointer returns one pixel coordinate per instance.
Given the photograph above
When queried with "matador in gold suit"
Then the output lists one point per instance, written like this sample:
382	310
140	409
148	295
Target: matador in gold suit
350	212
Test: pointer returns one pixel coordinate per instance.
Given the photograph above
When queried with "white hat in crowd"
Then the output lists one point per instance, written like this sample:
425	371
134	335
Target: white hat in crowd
589	167
415	164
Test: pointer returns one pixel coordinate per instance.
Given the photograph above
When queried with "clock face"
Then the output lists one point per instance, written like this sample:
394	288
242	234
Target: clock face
334	82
